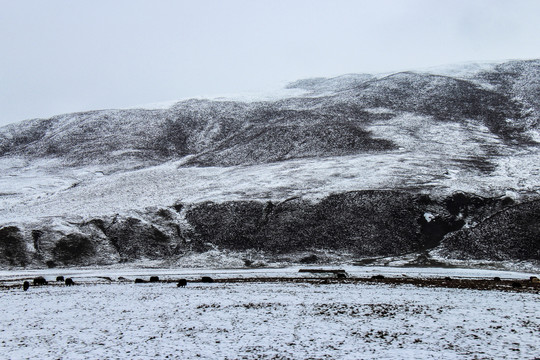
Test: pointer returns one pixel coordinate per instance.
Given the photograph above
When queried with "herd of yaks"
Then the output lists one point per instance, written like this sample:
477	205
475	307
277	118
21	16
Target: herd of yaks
40	281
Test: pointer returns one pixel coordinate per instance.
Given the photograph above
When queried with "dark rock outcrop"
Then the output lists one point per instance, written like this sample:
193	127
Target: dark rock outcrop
363	223
12	247
512	233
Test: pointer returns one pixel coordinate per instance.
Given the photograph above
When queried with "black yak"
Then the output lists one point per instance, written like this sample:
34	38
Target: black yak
154	279
207	279
69	282
139	281
516	285
26	285
60	278
40	280
182	283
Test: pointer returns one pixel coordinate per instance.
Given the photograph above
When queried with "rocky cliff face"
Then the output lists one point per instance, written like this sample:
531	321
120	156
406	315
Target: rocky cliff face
363	223
371	165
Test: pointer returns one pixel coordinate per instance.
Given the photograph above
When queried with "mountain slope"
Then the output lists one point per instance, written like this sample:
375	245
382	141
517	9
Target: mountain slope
337	145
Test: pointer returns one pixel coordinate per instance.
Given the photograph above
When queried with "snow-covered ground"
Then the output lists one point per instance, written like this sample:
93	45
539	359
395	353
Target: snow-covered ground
267	321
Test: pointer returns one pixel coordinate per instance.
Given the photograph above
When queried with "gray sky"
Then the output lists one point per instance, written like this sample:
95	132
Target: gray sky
64	56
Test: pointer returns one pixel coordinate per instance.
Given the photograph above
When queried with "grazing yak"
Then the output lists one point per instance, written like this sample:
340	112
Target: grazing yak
60	278
69	282
207	279
181	283
154	279
516	285
40	280
139	281
26	285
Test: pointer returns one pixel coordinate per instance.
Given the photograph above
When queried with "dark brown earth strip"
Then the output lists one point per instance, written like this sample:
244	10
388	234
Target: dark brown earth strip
527	286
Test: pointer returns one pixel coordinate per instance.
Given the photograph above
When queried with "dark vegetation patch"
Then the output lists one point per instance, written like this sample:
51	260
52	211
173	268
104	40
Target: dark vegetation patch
512	233
74	249
135	239
311	259
12	247
366	222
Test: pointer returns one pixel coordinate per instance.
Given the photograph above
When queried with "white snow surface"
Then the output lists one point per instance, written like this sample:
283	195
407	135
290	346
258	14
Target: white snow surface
266	321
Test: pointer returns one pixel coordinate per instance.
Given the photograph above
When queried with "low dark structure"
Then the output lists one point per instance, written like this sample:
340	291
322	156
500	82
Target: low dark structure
448	278
207	279
26	285
154	279
40	280
534	279
377	277
323	271
60	278
496	278
139	281
516	285
181	283
69	282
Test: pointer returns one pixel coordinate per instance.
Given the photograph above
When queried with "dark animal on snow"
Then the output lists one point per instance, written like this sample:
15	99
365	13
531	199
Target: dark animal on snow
139	281
207	279
496	278
341	276
516	285
377	277
69	282
59	278
534	279
154	279
448	278
26	285
182	283
40	280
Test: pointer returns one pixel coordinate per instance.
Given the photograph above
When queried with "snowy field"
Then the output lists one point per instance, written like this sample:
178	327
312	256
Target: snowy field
266	320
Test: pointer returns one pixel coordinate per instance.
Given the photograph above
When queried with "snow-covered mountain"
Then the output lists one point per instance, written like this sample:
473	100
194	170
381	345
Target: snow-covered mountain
360	164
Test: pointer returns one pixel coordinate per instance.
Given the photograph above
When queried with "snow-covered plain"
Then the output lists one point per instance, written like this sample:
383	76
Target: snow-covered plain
267	321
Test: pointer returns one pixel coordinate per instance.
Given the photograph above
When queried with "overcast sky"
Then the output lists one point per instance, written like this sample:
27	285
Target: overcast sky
65	56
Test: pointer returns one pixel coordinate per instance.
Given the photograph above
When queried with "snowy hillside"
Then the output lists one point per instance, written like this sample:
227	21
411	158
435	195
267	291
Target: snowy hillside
473	129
